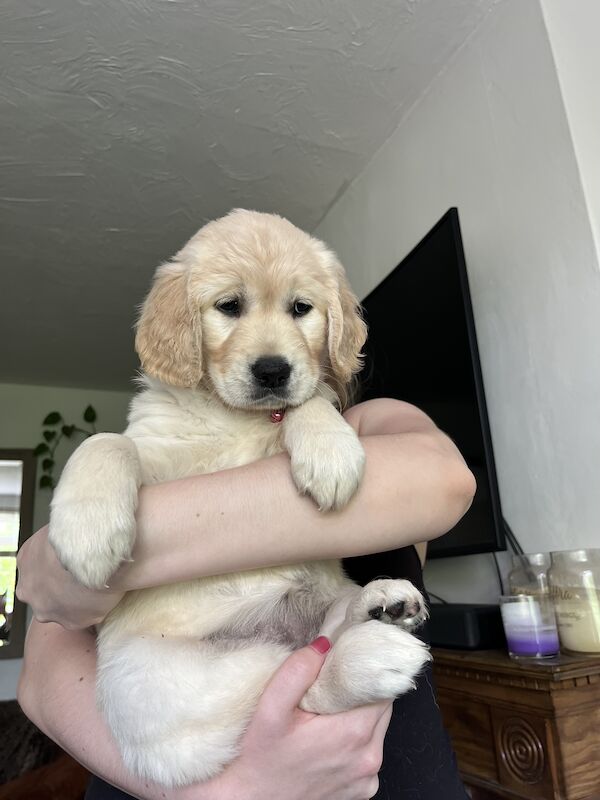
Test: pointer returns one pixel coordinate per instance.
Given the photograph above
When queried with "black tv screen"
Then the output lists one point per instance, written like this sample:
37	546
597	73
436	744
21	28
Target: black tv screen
422	348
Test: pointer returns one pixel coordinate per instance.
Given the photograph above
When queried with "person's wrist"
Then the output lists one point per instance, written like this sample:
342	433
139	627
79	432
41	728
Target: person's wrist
236	784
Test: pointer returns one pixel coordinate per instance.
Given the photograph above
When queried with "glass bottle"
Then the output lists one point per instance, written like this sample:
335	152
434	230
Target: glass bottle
529	574
574	579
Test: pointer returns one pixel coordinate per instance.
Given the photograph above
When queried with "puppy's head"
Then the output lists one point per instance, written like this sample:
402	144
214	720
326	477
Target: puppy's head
256	308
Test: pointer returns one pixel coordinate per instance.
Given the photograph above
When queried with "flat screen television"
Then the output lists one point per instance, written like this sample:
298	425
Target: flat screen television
422	348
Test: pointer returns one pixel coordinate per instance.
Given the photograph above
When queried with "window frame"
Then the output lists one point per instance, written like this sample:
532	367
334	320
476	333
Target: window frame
14	647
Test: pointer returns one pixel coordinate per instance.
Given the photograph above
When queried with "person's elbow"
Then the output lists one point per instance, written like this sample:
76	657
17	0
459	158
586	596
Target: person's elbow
456	487
461	489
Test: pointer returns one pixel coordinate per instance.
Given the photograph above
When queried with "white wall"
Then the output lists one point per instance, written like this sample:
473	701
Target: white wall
22	409
573	30
491	137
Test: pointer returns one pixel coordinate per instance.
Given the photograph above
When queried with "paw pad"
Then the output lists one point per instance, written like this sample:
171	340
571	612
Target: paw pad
397	611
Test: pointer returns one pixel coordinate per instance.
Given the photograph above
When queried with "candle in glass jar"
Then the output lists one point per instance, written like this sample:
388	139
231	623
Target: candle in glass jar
529	626
575	588
578	618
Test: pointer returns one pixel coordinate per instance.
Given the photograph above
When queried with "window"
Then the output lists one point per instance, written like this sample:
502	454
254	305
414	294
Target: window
16	514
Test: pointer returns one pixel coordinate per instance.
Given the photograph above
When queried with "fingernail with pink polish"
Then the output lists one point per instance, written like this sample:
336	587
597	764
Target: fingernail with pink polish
321	644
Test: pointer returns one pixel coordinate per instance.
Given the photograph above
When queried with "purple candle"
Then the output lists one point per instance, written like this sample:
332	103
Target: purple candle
529	626
533	643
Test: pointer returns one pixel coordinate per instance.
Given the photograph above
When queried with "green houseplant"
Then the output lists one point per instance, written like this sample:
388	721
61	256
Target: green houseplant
55	430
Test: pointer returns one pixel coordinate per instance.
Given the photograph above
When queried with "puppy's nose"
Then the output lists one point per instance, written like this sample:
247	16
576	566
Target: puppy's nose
271	372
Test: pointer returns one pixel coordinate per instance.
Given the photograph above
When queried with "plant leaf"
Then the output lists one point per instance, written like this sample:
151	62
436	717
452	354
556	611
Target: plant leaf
68	430
49	435
52	419
46	482
47	463
89	414
41	448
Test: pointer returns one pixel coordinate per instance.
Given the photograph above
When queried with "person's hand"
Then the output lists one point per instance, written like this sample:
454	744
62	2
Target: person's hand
53	593
289	753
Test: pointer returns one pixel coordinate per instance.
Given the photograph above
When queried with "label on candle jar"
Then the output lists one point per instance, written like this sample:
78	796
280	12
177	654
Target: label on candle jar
528	590
578	618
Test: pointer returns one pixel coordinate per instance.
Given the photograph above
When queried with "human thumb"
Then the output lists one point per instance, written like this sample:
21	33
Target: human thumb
294	677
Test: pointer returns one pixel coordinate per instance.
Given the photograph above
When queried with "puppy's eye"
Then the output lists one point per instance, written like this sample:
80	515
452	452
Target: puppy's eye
300	309
233	307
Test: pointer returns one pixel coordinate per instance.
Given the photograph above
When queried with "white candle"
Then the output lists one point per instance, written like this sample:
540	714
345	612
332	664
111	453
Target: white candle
578	618
522	615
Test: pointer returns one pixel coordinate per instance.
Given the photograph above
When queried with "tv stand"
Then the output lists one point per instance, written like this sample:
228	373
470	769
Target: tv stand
522	730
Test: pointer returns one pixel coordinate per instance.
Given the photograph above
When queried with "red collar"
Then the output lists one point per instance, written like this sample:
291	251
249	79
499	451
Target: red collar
277	416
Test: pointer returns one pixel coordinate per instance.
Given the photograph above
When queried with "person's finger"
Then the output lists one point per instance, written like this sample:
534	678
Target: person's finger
290	683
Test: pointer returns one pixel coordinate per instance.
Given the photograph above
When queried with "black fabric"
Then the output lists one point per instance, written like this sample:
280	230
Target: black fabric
99	790
418	761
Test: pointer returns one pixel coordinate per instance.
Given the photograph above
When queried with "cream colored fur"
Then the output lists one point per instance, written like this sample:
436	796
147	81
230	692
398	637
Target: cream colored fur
181	667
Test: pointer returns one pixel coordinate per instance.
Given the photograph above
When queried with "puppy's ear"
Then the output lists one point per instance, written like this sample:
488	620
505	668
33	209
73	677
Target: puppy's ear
347	330
168	334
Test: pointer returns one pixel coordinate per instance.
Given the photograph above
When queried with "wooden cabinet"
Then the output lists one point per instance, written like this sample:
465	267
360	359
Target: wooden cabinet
522	729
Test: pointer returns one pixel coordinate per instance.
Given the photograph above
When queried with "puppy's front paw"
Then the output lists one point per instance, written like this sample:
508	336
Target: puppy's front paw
329	468
327	457
90	540
92	520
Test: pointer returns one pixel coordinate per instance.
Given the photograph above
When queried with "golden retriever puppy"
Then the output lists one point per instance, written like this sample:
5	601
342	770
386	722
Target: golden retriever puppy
245	339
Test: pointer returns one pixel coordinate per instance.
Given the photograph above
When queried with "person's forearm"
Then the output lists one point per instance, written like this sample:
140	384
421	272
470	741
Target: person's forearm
57	692
415	487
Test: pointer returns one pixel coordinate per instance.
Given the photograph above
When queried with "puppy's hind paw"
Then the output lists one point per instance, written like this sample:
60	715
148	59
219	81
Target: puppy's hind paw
394	602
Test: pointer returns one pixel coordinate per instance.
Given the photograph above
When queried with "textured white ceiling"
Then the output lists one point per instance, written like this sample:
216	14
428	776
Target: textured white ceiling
125	124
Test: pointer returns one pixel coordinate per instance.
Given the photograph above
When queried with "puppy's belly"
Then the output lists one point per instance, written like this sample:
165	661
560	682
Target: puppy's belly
282	606
289	623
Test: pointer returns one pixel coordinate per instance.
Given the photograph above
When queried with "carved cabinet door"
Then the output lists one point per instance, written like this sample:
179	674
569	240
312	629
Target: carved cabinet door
524	751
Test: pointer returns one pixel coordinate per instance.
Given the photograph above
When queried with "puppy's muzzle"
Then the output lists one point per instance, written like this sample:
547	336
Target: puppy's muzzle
271	372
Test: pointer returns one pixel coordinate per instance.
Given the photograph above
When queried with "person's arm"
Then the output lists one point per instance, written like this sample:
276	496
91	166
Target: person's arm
286	753
416	487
